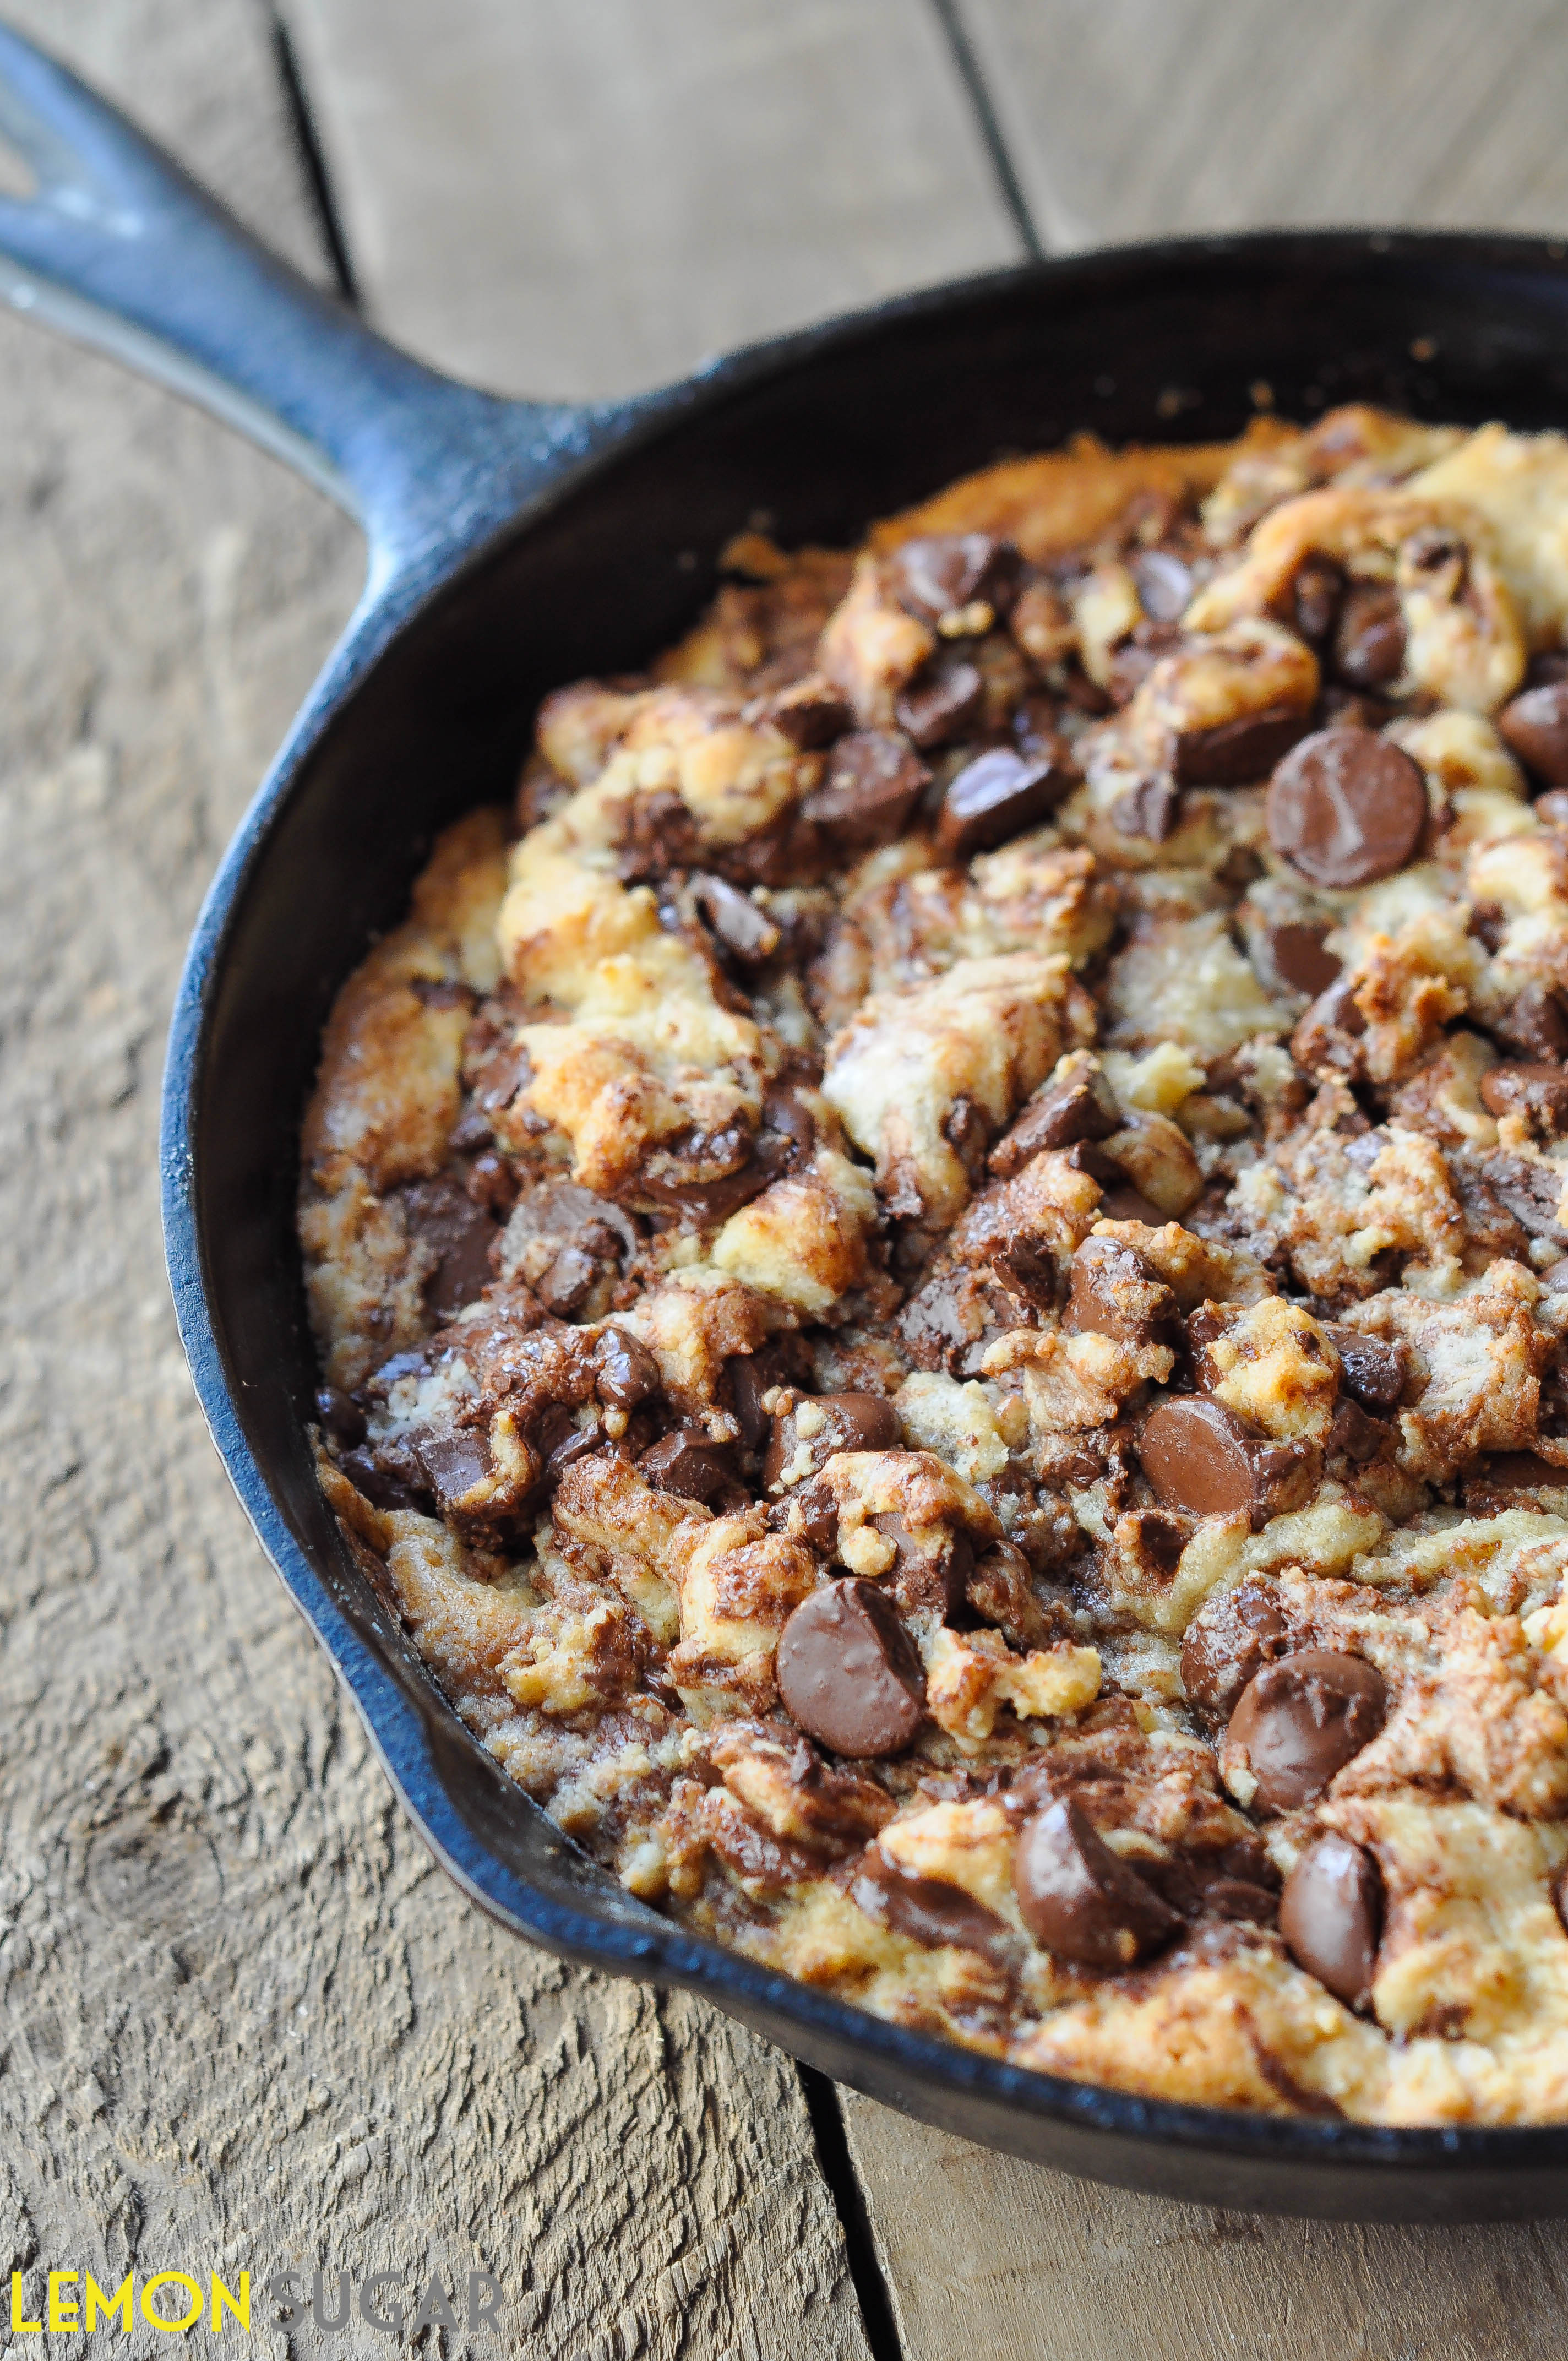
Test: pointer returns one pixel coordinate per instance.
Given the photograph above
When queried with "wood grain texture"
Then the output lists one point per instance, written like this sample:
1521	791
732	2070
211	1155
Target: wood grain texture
985	2255
1142	118
246	2023
585	199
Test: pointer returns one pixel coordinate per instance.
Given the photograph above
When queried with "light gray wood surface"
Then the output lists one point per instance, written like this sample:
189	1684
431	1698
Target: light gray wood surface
590	198
246	2023
1150	118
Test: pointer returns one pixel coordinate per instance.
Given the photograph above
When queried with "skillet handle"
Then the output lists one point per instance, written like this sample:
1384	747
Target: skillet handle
120	248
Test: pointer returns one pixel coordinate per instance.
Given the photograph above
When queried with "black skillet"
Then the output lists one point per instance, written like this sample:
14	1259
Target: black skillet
513	545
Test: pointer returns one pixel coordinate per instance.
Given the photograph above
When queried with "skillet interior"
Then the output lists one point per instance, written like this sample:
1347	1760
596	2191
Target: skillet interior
822	433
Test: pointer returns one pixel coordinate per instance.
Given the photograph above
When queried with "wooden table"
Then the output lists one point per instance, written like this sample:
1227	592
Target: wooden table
246	2024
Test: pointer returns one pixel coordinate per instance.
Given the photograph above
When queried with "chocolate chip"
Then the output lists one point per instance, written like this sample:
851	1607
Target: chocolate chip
1230	1643
1538	1093
1530	1192
1235	754
926	1910
1535	1022
1369	642
1237	1898
941	571
1080	1106
340	1414
812	1511
1316	594
1331	1914
997	797
1330	1031
380	1486
575	1443
1354	1436
785	1113
746	1385
744	929
1129	1204
932	1567
1201	1456
1554	1277
1299	959
1114	1293
1346	806
687	1465
810	713
1151	810
1087	1156
1534	726
1079	1899
1165	584
567	1285
1299	1721
874	780
626	1373
849	1673
455	1462
492	1182
1133	658
942	703
1371	1368
444	1218
849	1423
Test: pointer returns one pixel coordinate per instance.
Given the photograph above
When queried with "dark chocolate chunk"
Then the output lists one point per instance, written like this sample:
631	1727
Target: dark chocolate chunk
567	1285
1369	640
810	713
1331	1914
811	1511
1114	1293
874	780
1299	959
1355	1437
745	931
1300	1720
687	1464
1080	1899
1330	1032
1531	1192
1535	1022
443	1217
785	1113
931	1570
1537	1091
1130	1204
1229	1642
492	1182
1346	806
340	1414
627	1373
927	1909
1080	1106
576	1443
1203	1458
1235	754
1316	595
746	1383
379	1485
1151	810
1165	584
1371	1368
1534	726
849	1673
941	571
997	797
849	1423
455	1462
942	703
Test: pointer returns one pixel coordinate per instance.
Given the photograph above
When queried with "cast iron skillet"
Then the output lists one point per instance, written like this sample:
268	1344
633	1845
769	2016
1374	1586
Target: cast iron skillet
514	545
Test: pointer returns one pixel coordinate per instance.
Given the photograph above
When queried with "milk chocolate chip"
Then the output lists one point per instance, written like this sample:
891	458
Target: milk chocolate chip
1369	642
1080	1106
1299	959
1114	1293
836	1423
874	780
1235	753
1345	807
1299	1721
996	796
1537	1091
1229	1644
849	1673
1079	1899
1534	725
1205	1458
1331	1914
928	1909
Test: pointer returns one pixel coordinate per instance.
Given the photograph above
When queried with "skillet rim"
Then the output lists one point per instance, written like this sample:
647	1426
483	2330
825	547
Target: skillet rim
1419	2171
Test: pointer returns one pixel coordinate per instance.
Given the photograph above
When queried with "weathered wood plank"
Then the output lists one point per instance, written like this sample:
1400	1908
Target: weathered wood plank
1134	118
590	198
248	2024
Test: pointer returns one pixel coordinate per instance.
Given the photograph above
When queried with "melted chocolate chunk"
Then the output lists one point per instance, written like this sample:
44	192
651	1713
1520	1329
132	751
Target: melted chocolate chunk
1369	639
874	780
443	1217
1346	808
687	1465
1130	1204
1534	726
942	703
1370	1368
1080	1106
1201	1456
1535	1022
746	932
1300	1720
810	713
1151	810
849	1673
1114	1293
941	571
1531	1192
1229	1643
997	797
1080	1899
1331	1914
568	1283
849	1423
1536	1091
1330	1031
1316	596
1235	754
1299	958
628	1374
340	1414
927	1909
379	1485
1353	1436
